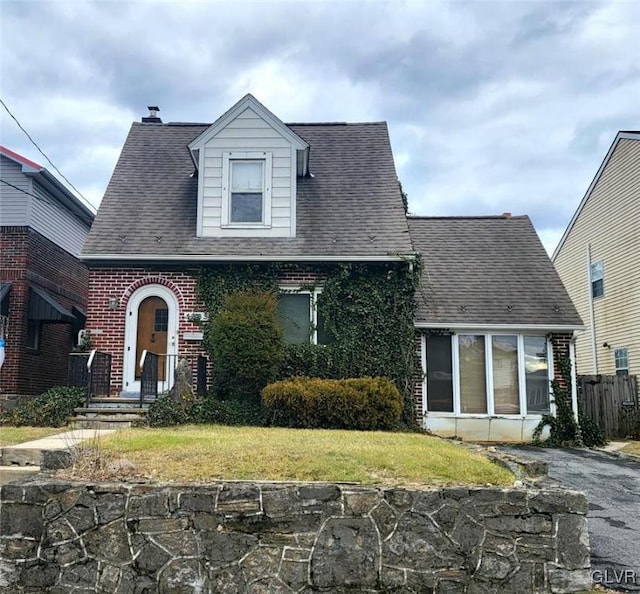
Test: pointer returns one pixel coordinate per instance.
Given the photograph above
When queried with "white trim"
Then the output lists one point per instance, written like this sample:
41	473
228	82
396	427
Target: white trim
499	327
248	102
131	333
592	315
619	136
574	386
200	205
550	375
261	258
294	189
423	366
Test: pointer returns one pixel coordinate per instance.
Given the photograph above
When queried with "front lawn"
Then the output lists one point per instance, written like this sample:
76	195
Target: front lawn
632	448
200	453
14	435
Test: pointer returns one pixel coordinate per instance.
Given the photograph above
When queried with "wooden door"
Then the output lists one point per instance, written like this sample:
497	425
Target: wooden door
153	324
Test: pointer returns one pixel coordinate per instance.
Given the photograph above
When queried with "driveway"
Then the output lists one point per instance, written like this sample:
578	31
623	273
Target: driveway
612	487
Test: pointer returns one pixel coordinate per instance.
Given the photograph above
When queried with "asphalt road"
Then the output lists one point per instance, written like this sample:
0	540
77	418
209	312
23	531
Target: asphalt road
612	487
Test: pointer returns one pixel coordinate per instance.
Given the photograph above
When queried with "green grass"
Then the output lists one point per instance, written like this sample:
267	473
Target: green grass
15	435
199	453
632	448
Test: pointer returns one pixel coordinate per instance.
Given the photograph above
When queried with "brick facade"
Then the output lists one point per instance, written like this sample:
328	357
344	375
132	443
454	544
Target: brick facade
107	326
29	259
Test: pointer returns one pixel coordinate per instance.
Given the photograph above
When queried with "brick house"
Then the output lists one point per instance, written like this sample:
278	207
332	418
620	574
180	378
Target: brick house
43	285
249	188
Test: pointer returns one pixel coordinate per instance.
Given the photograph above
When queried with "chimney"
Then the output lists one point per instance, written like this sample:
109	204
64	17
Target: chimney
506	215
153	115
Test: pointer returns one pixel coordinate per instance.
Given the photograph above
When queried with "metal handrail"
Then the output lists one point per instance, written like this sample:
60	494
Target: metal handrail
90	359
143	357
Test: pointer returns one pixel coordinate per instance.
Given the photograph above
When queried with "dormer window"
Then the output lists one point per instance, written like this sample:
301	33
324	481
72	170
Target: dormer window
246	191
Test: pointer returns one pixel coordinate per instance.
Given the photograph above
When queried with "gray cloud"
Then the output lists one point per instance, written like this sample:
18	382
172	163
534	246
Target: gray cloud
492	106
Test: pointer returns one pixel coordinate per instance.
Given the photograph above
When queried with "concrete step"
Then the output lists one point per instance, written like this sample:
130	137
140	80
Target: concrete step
109	421
116	402
16	456
108	411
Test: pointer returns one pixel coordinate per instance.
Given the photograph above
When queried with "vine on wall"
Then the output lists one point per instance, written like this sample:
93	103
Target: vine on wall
368	310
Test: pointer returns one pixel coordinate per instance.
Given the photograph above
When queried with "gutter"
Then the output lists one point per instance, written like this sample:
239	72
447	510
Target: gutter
592	315
243	258
472	326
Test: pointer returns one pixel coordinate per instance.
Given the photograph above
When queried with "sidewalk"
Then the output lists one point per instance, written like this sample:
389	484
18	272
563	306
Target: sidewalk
23	459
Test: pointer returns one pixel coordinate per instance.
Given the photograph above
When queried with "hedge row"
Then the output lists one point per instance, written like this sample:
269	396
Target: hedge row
359	403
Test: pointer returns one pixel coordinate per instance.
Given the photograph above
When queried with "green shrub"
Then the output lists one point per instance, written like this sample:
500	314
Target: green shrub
362	403
592	433
246	347
205	409
51	409
308	360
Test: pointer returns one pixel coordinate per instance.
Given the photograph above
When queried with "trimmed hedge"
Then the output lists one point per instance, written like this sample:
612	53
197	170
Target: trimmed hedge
359	403
51	409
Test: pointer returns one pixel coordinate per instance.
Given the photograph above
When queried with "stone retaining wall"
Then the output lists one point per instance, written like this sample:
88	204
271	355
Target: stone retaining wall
250	537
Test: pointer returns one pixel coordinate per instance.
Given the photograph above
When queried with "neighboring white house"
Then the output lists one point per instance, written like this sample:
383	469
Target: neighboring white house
598	260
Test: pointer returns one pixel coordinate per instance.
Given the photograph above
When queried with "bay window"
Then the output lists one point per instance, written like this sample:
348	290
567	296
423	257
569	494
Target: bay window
488	373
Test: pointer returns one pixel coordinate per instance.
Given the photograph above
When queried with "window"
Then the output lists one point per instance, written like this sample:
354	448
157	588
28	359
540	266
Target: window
247	181
439	374
473	387
536	369
597	279
497	374
161	321
622	361
302	322
33	335
246	186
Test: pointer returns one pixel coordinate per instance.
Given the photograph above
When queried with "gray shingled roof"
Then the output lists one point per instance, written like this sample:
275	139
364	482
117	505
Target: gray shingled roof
350	207
487	270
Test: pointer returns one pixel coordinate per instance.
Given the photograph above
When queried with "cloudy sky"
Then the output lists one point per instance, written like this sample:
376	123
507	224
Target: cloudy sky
492	106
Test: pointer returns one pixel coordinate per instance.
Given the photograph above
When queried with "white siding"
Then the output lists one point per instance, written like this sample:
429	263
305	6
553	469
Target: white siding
610	223
14	204
56	223
248	132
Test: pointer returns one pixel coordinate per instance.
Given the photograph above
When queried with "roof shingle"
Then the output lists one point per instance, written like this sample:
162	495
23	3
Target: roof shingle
487	270
350	207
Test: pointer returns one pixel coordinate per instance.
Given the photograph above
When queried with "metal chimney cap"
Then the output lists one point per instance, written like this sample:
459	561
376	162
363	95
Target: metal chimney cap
153	110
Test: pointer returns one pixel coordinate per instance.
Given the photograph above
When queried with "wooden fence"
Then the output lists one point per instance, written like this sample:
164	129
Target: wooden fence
612	402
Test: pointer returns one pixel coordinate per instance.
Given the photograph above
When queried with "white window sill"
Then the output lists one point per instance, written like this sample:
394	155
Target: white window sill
245	226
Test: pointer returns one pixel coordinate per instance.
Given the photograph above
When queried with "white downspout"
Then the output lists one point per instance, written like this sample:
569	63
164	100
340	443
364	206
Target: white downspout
592	318
574	378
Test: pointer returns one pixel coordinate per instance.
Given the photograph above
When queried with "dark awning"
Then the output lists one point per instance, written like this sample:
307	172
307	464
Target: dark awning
4	290
45	308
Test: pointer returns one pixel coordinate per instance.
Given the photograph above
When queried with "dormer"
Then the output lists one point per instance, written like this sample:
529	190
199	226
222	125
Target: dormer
248	164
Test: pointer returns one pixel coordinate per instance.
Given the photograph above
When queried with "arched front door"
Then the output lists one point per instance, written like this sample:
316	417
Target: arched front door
151	325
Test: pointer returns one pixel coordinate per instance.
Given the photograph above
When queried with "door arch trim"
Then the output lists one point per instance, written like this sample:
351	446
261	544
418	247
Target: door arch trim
129	382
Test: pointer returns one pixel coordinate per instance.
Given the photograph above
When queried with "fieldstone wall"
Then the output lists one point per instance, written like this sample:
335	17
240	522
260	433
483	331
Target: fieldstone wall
282	538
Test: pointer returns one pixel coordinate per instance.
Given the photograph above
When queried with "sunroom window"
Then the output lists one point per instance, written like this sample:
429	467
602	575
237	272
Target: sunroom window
497	374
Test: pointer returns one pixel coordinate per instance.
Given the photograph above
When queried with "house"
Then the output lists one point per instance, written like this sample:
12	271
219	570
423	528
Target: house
250	189
598	260
493	318
43	285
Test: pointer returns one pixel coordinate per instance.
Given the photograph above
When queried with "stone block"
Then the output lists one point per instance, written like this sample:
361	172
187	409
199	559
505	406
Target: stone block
262	562
151	559
558	502
179	544
183	575
239	498
21	519
64	553
109	543
222	548
534	524
39	575
55	459
80	575
280	501
109	507
346	554
385	518
227	580
198	502
18	548
572	541
149	505
361	502
562	581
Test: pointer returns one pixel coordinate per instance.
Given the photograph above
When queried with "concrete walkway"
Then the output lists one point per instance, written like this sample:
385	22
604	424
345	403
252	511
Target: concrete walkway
23	459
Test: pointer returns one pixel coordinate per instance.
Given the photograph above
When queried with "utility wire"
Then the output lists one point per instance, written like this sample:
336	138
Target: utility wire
23	191
91	207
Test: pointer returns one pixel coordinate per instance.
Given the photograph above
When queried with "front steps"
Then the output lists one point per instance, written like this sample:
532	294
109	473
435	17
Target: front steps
111	413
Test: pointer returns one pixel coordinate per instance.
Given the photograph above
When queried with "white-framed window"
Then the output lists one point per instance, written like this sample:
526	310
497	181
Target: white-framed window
301	319
621	357
246	189
487	373
596	273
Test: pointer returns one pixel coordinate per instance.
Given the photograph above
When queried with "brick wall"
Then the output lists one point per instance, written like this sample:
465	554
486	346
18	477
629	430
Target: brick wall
107	327
29	259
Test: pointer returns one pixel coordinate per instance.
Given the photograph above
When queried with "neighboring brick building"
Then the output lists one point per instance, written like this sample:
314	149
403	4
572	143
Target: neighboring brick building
249	188
43	285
